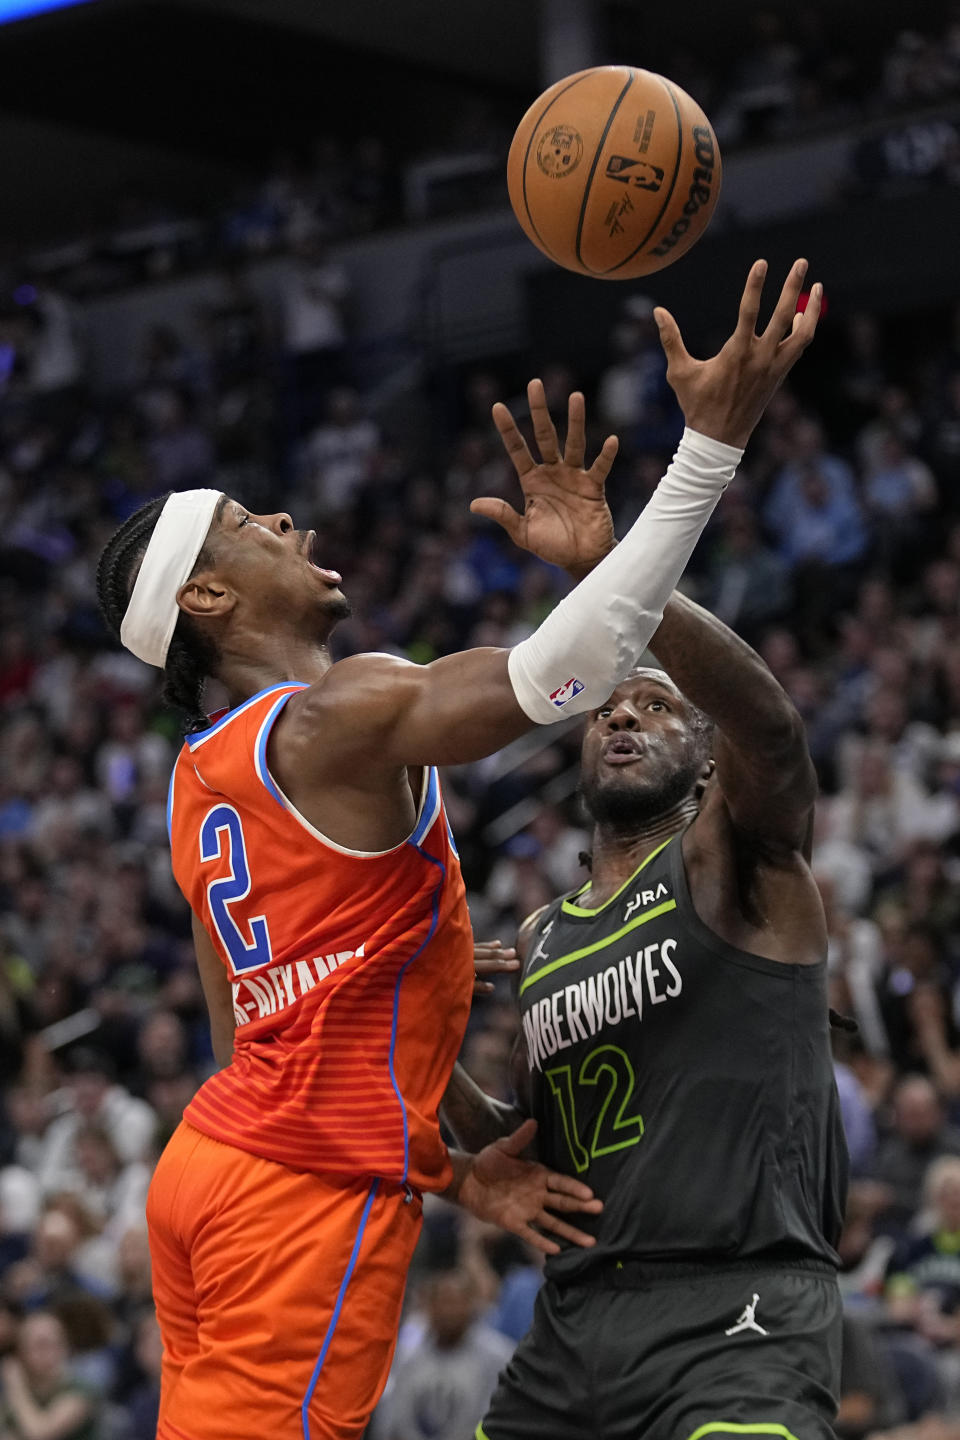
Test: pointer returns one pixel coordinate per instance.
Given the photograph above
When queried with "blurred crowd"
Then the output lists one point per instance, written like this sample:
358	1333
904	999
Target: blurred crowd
793	73
837	553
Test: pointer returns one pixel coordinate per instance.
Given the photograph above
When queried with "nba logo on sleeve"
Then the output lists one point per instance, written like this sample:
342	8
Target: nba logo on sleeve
566	692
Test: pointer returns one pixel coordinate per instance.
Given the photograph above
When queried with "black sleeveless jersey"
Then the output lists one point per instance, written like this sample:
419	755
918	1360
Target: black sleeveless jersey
689	1083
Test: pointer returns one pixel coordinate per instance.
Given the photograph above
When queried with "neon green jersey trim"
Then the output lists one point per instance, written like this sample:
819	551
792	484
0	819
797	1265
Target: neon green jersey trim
569	908
480	1433
598	944
728	1427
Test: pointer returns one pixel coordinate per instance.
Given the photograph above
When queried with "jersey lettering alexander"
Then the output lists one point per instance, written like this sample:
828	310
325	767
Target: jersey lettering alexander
351	973
689	1083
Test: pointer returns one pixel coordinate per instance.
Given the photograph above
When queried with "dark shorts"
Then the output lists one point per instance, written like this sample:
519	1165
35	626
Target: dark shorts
628	1356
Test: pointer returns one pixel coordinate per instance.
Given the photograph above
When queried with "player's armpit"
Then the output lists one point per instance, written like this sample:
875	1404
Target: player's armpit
387	712
217	993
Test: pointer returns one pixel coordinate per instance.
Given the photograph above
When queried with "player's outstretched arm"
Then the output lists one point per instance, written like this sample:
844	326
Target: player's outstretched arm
377	710
764	774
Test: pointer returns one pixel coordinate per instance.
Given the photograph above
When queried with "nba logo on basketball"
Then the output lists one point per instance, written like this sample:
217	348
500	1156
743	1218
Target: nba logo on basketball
566	691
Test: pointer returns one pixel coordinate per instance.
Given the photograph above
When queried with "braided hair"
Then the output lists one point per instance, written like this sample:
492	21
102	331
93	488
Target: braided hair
191	656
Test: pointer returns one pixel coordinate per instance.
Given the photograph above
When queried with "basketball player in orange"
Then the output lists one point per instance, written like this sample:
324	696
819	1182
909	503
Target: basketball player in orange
309	836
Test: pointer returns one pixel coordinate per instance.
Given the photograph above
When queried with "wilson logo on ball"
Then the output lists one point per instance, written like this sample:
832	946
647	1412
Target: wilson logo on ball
559	151
699	192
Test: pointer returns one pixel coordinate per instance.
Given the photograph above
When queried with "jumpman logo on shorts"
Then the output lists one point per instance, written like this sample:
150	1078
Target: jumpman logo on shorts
747	1320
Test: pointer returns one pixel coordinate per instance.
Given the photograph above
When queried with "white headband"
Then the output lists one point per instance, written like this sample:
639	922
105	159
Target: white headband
176	542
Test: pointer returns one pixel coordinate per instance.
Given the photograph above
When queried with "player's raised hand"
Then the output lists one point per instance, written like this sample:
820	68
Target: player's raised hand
491	958
522	1196
565	518
724	397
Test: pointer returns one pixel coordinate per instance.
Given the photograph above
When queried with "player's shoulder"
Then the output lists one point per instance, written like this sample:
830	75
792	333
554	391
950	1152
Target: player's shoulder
528	929
356	676
356	695
535	925
233	726
340	721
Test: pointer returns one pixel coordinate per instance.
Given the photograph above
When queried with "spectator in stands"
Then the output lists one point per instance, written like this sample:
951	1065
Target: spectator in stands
54	358
886	720
899	495
50	1276
168	363
179	450
443	1385
338	456
633	397
812	510
749	585
163	1047
143	1403
936	1039
312	297
925	892
854	954
914	958
846	865
131	756
895	413
93	1097
923	1286
920	1135
114	1196
870	1397
882	809
40	1397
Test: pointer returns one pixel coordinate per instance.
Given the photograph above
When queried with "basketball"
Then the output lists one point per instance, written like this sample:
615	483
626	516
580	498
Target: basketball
614	172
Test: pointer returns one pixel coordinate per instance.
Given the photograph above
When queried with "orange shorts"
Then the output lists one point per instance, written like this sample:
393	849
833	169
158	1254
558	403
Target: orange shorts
278	1293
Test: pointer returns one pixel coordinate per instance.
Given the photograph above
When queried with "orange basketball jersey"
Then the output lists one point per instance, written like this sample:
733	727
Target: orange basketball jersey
352	973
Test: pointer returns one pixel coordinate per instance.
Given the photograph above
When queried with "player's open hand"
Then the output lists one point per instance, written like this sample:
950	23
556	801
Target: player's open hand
565	518
490	957
522	1196
725	397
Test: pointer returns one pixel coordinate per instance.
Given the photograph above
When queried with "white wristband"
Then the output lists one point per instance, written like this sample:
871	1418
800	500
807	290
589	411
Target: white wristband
596	635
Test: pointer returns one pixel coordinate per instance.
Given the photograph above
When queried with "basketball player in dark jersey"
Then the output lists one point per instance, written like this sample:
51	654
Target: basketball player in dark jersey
675	1052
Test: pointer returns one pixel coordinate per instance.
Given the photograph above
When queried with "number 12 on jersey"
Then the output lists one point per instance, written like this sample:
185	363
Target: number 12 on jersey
226	890
613	1129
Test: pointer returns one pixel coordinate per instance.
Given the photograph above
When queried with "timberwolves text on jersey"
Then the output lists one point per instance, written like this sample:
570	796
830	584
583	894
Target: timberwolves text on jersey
689	1083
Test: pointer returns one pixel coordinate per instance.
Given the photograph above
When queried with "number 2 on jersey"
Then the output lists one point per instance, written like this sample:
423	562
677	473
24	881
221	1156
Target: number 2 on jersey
613	1129
227	889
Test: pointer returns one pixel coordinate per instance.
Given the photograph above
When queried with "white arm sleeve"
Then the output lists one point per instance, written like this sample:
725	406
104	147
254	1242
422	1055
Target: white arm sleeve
595	636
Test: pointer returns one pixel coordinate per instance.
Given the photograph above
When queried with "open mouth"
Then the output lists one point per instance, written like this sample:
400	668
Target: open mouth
329	577
622	749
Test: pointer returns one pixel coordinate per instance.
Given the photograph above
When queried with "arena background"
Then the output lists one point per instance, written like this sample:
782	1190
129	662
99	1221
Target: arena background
268	247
